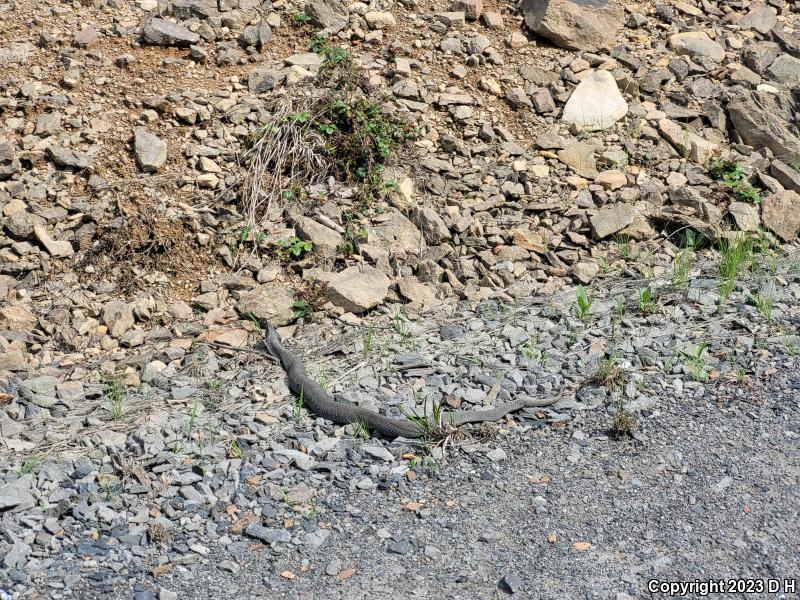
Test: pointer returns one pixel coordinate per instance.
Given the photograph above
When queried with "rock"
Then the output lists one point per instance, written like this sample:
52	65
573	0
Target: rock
67	158
53	247
86	37
325	240
786	175
687	143
395	233
15	495
117	317
330	15
14	360
511	583
357	289
380	20
269	302
596	103
696	44
761	55
267	535
580	157
9	163
48	123
497	455
761	18
612	179
151	152
256	35
472	9
262	80
492	20
378	451
166	33
575	24
785	69
16	53
585	271
766	120
612	219
689	197
780	213
432	226
418	293
518	98
745	216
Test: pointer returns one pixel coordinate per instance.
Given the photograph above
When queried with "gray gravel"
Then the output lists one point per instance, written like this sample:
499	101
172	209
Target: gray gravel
230	478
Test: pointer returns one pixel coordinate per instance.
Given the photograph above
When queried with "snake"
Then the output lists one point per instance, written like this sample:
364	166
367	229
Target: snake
319	402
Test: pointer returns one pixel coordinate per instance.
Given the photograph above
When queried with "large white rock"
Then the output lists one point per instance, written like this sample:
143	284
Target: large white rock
596	103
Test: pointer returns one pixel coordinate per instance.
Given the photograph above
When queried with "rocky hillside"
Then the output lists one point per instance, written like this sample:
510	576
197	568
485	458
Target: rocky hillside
173	171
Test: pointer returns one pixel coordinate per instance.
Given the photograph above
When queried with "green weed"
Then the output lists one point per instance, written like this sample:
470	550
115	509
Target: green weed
583	302
115	398
648	301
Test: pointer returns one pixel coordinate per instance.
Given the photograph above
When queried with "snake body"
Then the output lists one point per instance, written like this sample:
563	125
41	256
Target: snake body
319	402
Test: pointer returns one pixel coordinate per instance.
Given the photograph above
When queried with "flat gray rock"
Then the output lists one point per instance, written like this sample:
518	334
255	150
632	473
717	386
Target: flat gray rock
151	152
166	33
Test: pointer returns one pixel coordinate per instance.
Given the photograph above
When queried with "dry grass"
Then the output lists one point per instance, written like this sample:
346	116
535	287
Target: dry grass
284	159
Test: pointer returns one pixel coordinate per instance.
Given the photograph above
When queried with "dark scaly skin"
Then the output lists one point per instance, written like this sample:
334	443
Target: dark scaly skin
320	402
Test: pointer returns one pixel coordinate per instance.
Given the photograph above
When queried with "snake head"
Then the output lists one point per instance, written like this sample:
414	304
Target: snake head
272	340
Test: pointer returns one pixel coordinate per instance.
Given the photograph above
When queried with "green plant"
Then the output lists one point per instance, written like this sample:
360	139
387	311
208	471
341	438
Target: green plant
295	246
401	327
30	465
623	243
193	414
681	267
740	374
301	308
234	451
693	359
300	19
763	302
297	406
733	254
111	491
734	176
361	430
583	302
623	424
648	301
369	336
608	372
115	397
529	349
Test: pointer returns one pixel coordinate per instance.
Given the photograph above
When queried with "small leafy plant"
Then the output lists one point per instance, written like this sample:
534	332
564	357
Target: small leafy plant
583	302
648	301
733	176
296	246
694	360
300	18
301	308
29	465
